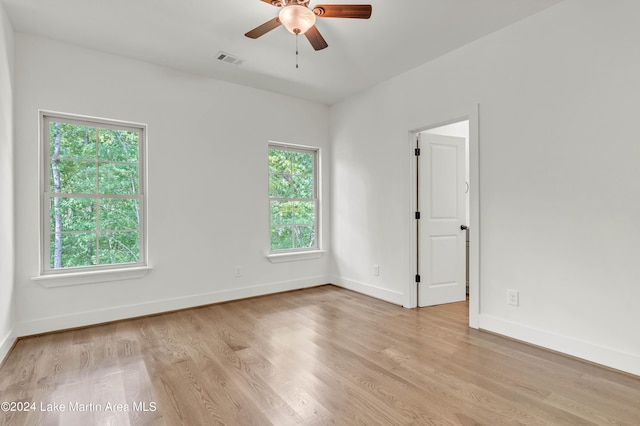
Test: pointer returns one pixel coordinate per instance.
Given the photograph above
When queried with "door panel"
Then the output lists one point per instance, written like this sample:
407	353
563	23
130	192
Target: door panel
442	168
441	242
443	254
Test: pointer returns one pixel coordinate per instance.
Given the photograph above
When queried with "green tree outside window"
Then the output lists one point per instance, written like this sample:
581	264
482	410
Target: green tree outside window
293	200
92	196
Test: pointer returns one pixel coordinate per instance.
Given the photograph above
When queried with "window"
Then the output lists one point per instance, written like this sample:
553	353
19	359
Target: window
92	194
293	198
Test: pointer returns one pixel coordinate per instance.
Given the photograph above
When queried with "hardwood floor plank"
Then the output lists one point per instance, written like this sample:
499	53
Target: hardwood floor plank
319	356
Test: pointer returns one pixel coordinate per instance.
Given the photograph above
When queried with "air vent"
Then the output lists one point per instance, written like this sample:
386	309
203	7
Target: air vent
230	59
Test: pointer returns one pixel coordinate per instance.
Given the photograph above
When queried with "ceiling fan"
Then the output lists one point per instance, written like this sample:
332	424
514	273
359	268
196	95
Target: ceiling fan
298	18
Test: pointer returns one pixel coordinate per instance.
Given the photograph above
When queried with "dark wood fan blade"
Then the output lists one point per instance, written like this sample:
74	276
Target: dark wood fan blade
264	28
315	38
357	11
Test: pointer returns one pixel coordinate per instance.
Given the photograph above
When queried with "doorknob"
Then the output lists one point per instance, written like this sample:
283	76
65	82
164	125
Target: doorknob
463	227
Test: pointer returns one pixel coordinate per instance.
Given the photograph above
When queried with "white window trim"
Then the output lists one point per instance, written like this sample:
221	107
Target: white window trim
278	256
92	276
294	256
49	277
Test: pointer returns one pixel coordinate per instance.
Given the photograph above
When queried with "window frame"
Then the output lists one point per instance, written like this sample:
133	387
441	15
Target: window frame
46	270
280	255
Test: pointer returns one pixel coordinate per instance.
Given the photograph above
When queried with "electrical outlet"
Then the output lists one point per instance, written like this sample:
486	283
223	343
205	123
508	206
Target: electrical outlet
376	270
238	272
513	297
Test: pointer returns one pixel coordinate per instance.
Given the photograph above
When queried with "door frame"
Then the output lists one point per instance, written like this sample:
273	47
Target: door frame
438	120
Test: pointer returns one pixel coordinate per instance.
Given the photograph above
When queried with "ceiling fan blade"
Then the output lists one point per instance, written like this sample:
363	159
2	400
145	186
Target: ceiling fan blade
357	11
315	38
264	28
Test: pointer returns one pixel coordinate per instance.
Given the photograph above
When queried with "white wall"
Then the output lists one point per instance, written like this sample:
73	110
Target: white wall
208	205
7	336
559	155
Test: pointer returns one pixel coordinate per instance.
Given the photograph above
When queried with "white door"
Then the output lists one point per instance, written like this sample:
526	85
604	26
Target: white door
441	235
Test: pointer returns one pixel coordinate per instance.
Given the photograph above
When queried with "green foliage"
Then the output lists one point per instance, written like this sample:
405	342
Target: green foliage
119	247
116	178
76	214
78	249
77	177
118	214
88	166
292	192
75	141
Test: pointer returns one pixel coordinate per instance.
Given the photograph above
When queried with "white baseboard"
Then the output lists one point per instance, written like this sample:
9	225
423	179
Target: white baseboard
588	351
6	344
387	295
81	319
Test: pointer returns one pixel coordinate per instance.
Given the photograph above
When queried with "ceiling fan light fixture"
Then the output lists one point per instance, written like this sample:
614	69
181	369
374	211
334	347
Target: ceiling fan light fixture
297	19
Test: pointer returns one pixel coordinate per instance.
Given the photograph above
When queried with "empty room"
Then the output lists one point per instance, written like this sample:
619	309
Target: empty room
260	212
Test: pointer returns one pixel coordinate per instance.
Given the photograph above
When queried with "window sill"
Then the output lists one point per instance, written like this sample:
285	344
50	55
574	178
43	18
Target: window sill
91	277
295	256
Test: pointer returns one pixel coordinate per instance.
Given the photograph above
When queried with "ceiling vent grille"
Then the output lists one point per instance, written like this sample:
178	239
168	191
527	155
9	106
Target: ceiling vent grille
230	59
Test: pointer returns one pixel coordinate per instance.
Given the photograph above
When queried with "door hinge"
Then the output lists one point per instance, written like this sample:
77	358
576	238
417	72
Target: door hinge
417	215
417	151
417	278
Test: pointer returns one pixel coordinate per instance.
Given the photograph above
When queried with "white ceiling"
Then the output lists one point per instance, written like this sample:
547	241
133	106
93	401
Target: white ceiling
188	34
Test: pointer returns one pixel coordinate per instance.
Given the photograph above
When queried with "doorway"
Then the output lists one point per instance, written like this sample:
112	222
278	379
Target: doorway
442	197
445	199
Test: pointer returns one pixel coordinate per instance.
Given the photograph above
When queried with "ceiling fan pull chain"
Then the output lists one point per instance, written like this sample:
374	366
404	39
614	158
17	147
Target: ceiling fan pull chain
297	50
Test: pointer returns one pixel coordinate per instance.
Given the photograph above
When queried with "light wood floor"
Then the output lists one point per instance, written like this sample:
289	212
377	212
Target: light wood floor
318	356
